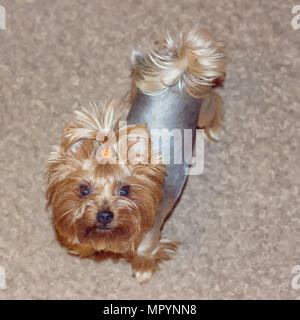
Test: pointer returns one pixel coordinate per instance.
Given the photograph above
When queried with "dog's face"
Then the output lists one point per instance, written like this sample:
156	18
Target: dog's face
105	206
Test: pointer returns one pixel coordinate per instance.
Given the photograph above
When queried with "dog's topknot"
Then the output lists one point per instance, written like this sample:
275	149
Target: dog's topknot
196	63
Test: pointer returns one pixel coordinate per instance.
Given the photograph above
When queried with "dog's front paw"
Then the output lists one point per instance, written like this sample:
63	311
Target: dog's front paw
165	248
142	276
145	265
81	251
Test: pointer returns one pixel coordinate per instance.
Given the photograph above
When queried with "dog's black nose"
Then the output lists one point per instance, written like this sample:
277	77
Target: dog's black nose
105	217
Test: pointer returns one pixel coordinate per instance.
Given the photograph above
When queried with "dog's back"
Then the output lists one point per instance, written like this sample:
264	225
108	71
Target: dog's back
172	92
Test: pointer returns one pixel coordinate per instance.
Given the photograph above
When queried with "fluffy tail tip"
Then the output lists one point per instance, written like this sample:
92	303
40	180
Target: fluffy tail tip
196	62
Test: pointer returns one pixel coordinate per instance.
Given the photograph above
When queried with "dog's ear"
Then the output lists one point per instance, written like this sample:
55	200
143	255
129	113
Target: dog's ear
77	141
143	161
139	145
76	147
134	144
137	57
71	139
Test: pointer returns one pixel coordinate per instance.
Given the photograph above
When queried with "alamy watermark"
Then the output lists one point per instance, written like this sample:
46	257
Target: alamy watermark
296	279
2	17
176	146
296	20
2	278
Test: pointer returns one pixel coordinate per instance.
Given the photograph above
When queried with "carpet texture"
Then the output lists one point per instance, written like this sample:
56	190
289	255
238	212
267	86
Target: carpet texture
239	222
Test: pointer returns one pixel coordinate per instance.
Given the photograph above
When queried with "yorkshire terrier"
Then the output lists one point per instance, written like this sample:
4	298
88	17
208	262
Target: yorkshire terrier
108	186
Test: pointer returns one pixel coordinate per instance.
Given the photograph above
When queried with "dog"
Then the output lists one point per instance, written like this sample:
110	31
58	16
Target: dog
108	185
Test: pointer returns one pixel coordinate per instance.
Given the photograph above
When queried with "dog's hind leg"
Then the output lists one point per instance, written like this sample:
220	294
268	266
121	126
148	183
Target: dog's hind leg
211	117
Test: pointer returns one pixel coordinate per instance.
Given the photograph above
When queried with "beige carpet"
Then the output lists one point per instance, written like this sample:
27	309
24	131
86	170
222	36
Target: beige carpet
242	236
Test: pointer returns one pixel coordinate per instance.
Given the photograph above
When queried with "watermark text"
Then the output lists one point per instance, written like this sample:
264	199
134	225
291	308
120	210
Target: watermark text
2	278
296	20
2	17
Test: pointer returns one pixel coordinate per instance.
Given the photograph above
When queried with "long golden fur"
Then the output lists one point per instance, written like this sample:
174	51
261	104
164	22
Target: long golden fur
74	217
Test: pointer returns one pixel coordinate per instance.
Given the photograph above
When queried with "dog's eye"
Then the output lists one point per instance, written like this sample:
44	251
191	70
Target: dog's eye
124	191
84	190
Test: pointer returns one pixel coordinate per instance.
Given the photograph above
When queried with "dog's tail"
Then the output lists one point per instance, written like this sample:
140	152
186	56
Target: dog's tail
196	62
